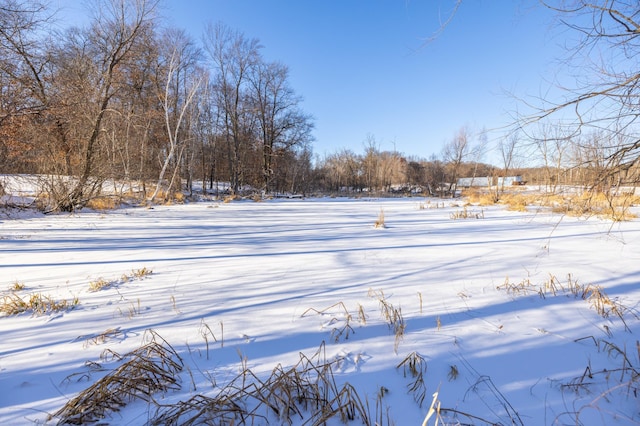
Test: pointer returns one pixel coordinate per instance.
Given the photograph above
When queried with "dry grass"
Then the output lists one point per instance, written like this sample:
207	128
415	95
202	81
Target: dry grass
605	206
618	383
141	273
307	388
103	337
467	214
392	315
103	203
516	201
453	373
479	197
165	196
339	319
136	274
379	223
598	300
99	284
149	369
17	286
36	303
229	198
416	366
431	205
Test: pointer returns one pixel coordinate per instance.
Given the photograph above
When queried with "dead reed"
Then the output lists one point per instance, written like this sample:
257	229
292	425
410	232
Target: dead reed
467	214
339	318
598	300
379	223
36	303
307	390
135	274
147	370
392	315
416	366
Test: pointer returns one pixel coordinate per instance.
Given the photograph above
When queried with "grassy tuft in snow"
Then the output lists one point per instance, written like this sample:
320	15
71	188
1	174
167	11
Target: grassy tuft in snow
35	303
150	369
594	294
466	214
379	223
136	274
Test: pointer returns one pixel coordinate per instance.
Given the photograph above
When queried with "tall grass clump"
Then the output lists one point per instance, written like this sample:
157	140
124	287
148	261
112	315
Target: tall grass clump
594	294
135	274
465	213
415	365
379	223
150	369
305	391
392	315
35	303
103	203
610	206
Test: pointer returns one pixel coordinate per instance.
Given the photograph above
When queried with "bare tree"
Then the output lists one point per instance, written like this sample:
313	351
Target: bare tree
605	97
550	145
435	175
233	57
24	65
182	80
23	56
281	123
454	153
508	148
84	79
117	27
370	164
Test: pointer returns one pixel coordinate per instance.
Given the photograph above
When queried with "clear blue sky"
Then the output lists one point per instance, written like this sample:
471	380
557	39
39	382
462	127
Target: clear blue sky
363	69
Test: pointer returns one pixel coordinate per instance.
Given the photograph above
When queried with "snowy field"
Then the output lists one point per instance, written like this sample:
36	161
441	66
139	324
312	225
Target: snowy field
508	317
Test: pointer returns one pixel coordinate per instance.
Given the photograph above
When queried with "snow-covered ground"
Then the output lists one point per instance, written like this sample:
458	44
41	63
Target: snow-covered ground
495	307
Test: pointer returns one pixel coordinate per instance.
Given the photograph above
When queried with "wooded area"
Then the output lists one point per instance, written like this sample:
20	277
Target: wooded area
124	99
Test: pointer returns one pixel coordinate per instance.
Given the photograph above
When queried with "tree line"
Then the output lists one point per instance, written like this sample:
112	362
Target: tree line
125	99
